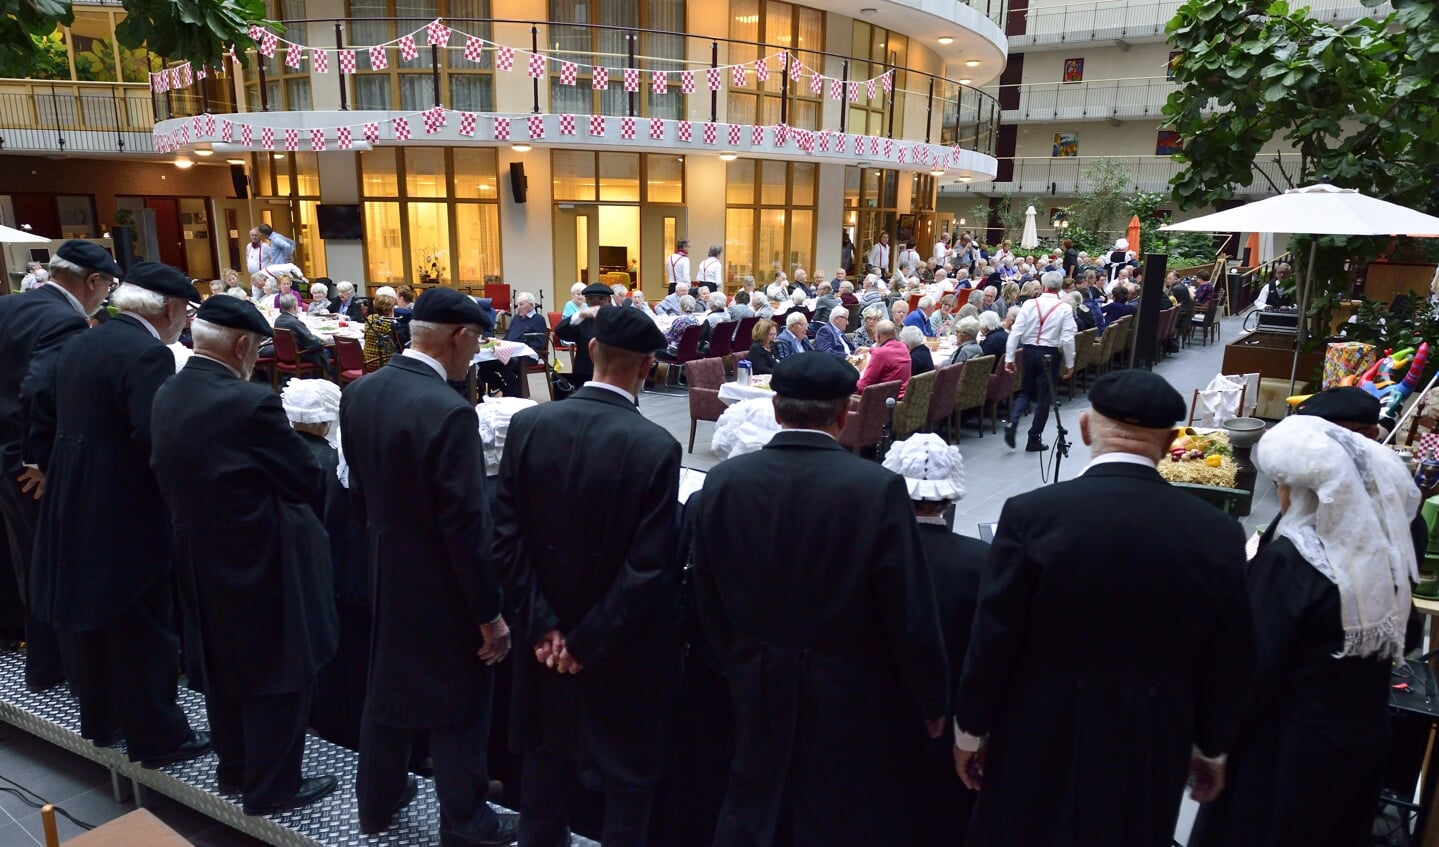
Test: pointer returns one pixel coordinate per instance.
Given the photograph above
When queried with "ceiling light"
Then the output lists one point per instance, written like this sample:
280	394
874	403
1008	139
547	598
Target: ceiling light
520	148
728	157
965	81
972	63
936	172
868	10
234	161
204	151
183	163
278	156
746	19
946	40
965	179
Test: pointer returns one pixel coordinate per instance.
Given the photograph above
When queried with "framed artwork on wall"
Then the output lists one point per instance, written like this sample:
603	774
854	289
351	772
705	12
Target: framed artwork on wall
1073	70
1066	145
1175	56
1168	143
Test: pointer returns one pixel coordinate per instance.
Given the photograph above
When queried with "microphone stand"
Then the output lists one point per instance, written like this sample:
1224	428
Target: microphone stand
1061	442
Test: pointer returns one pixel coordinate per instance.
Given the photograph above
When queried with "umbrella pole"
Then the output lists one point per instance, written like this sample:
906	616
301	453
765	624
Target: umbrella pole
1300	330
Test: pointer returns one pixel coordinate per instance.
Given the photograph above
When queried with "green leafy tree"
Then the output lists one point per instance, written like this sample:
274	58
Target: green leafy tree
1103	201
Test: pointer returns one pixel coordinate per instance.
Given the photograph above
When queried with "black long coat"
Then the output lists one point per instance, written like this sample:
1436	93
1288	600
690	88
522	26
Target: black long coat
251	557
33	328
1095	668
104	532
579	334
404	429
608	580
829	634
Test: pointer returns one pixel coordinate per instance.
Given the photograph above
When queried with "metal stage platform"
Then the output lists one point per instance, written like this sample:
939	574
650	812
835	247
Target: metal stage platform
333	822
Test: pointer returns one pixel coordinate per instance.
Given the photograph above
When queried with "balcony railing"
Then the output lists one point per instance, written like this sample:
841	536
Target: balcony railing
1043	176
70	117
1119	19
921	106
1089	100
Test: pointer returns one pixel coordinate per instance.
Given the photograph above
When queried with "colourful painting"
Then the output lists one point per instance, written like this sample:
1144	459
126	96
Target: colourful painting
1168	143
1074	70
1174	58
1066	145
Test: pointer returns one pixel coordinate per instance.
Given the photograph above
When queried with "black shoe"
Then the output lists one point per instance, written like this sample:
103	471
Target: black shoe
1036	447
229	786
44	685
114	739
1009	430
311	789
197	745
506	833
373	827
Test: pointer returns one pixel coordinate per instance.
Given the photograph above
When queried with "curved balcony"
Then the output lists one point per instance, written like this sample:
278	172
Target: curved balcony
75	117
1043	176
1090	100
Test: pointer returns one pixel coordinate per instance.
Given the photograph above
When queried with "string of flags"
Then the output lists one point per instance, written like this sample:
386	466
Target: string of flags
180	132
537	65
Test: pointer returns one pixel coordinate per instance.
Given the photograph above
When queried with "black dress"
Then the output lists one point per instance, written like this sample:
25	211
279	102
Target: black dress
761	361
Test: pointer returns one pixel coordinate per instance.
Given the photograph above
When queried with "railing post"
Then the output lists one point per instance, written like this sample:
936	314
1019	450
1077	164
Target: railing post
844	95
535	46
633	96
783	90
204	95
264	96
714	95
929	110
339	70
115	111
893	93
55	107
958	113
435	72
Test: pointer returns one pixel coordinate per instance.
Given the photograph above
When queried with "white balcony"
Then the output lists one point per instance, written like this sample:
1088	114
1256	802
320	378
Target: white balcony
1066	177
1052	27
1091	100
67	117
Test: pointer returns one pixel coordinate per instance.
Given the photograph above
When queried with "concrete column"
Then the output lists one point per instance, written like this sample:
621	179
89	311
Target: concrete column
829	216
527	229
339	183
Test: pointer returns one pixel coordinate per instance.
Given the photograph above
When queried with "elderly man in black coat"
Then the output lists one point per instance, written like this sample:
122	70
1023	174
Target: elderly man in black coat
33	328
251	557
835	658
580	328
1094	671
596	603
437	604
102	568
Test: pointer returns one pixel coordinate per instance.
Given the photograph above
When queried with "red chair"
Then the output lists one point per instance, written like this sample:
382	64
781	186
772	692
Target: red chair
288	361
349	360
865	426
721	341
743	335
686	351
705	376
999	391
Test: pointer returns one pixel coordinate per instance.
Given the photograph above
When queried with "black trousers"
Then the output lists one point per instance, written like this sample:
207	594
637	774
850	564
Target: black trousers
44	666
462	779
503	377
551	787
127	675
260	742
1034	387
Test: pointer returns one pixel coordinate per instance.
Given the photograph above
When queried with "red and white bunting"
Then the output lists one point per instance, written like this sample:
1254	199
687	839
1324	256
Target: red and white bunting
502	129
874	145
888	80
736	76
657	129
687	82
869	89
267	138
372	131
379	58
195	125
659	82
732	133
468	122
155	82
186	76
227	131
824	137
715	78
816	85
781	135
710	133
853	92
268	43
294	56
401	127
433	119
317	140
174	78
684	131
888	148
599	78
202	72
756	135
804	139
567	125
761	69
207	124
437	33
246	135
343	138
597	125
320	61
292	140
632	79
535	124
347	61
796	67
836	89
255	32
839	142
537	66
903	153
408	50
627	128
475	52
569	72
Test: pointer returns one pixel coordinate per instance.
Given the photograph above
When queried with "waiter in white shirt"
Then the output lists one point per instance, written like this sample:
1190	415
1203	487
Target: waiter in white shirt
677	268
1044	331
879	254
711	270
255	258
941	249
909	257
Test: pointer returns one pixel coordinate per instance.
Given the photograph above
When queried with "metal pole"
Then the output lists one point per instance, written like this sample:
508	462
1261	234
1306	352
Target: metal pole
435	71
339	71
115	110
55	107
893	93
843	95
633	96
714	95
784	91
535	46
958	112
1303	315
264	97
929	110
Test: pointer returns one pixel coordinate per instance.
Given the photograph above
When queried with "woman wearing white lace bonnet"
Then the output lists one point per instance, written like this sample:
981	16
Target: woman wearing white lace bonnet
1330	596
494	415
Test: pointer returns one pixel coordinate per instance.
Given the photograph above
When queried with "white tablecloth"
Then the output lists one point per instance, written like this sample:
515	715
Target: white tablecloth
733	392
503	352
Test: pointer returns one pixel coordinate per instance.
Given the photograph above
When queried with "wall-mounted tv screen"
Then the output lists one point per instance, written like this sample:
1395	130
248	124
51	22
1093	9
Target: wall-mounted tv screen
339	221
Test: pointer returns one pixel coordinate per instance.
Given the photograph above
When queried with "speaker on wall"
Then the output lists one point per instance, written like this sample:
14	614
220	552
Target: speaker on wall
518	185
237	178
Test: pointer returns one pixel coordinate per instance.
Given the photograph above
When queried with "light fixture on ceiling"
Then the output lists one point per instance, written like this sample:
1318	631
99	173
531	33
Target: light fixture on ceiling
965	179
204	151
936	172
182	163
520	148
278	156
746	19
961	222
946	40
972	63
728	156
234	161
869	10
965	81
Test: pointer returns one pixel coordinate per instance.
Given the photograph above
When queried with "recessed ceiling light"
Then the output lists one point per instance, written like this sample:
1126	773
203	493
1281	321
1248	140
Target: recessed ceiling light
867	10
964	179
204	151
278	156
520	148
972	63
234	161
183	163
936	172
946	39
965	81
728	157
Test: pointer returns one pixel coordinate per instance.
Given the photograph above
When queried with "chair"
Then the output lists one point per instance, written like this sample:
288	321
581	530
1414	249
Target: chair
705	376
941	405
1083	358
972	392
540	343
554	318
912	412
349	360
287	359
721	341
743	335
1000	389
865	425
1205	322
688	350
614	278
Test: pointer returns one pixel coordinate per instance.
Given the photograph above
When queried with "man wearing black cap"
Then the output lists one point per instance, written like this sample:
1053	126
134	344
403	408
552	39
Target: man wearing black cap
580	329
251	557
437	605
1093	671
835	658
33	328
594	678
102	569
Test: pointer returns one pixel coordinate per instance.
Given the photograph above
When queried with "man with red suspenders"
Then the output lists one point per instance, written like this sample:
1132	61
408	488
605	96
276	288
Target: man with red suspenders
1044	329
677	268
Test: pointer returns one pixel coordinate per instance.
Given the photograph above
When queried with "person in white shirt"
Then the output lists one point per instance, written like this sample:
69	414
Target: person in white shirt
255	258
910	256
941	249
711	269
35	276
1045	331
671	304
879	253
777	291
637	300
677	267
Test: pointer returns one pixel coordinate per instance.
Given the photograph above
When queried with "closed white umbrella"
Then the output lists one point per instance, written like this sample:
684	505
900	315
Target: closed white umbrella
11	235
1030	239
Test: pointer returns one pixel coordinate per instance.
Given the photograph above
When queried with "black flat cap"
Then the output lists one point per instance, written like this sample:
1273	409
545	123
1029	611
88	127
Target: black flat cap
1137	397
235	314
596	289
88	255
1342	404
814	376
448	306
164	279
628	329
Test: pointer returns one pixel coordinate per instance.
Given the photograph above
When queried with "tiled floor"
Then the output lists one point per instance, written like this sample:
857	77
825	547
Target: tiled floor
993	473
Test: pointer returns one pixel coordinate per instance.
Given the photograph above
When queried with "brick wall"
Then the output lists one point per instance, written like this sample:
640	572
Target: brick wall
105	178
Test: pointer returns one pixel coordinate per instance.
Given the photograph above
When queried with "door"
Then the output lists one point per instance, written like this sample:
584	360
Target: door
660	228
576	251
232	229
168	234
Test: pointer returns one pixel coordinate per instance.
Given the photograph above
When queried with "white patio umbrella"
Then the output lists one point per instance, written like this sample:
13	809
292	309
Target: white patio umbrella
11	235
1030	238
1315	210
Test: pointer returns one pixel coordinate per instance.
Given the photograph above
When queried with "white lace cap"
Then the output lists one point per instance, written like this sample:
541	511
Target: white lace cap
311	401
932	469
745	427
494	421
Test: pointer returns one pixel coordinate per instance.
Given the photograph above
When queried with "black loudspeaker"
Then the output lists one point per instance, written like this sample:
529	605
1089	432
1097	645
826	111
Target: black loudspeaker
519	186
237	178
1152	299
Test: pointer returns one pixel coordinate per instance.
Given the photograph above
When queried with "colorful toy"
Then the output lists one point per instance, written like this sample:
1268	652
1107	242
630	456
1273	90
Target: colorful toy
1382	377
1399	393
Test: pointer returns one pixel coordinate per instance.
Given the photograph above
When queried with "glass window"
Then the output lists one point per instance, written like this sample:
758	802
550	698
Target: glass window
665	178
382	243
425	171
739	242
772	184
475	175
308	235
282	174
372	91
54	56
574	174
378	173
307	174
803	184
297	95
739	182
801	238
620	177
472	92
851	186
769	246
430	240
262	174
93	43
417	92
477	230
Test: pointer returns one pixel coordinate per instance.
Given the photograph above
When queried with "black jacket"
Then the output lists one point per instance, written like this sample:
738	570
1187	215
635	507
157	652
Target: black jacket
33	327
350	311
104	532
830	640
305	341
608	581
404	428
761	361
1095	668
251	559
579	334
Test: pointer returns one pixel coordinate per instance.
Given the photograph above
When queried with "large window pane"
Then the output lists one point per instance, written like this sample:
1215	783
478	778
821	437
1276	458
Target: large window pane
430	241
769	246
851	186
665	178
475	174
739	242
739	182
417	91
741	108
801	238
777	27
472	92
94	47
282	175
477	231
803	184
620	177
372	91
378	171
772	187
574	175
569	99
425	171
307	174
308	235
382	244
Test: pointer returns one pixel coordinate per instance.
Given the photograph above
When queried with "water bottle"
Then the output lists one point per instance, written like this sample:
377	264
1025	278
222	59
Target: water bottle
742	372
